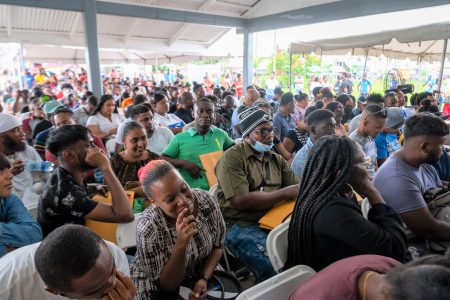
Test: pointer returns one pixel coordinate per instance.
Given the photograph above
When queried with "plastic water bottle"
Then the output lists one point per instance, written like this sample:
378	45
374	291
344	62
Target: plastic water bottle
98	176
39	166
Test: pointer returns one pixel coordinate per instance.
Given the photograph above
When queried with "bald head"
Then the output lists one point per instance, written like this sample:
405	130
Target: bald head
251	97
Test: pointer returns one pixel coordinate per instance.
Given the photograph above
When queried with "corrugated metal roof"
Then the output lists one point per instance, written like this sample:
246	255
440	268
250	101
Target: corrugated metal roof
35	20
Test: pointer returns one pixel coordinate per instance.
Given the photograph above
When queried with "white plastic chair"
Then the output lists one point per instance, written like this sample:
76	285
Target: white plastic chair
213	190
365	207
279	287
126	233
277	245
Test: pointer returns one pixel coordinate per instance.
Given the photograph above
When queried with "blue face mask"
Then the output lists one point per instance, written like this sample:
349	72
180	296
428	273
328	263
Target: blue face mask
260	147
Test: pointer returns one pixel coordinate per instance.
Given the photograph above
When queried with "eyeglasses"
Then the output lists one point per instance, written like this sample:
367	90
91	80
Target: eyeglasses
264	131
382	112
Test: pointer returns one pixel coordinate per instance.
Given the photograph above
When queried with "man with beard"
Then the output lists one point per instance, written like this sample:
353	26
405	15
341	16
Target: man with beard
408	174
13	145
65	199
185	149
158	137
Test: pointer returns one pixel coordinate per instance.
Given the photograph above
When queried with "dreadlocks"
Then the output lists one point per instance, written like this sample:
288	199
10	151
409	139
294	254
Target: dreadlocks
328	166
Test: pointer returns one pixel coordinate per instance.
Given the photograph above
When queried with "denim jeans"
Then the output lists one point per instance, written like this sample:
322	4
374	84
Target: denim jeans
248	244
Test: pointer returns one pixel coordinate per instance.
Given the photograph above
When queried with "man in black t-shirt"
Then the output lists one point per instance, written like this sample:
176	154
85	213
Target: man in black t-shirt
65	199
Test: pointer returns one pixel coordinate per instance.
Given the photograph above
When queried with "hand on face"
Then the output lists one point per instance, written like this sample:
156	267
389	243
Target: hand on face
361	181
124	289
96	158
185	227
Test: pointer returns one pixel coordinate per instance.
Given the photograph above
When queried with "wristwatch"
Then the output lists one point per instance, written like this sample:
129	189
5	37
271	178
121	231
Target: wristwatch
203	276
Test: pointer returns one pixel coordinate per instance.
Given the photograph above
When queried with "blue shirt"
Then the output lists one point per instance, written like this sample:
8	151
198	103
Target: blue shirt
365	84
17	226
387	143
443	166
282	124
299	162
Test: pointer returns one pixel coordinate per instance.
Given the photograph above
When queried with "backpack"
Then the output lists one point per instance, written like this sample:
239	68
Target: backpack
438	200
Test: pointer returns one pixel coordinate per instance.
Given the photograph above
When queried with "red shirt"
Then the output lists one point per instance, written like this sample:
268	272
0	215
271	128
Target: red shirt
339	280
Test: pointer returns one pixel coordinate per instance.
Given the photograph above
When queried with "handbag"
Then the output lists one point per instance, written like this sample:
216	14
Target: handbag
438	200
221	286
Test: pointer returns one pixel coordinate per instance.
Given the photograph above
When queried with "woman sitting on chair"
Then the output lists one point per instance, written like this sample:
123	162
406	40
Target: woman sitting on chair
105	120
127	163
180	236
327	224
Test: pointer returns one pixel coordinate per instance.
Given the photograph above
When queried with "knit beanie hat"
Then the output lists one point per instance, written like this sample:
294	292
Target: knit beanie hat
251	118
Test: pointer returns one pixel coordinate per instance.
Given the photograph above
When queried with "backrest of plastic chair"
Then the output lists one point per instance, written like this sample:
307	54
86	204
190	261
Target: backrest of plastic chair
126	233
365	207
277	245
105	230
281	286
213	190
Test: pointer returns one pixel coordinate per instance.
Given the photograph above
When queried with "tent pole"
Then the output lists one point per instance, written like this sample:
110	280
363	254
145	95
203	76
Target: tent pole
290	70
441	72
365	62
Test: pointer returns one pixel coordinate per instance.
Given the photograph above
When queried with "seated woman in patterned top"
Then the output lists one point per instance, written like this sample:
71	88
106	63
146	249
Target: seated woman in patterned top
179	236
127	163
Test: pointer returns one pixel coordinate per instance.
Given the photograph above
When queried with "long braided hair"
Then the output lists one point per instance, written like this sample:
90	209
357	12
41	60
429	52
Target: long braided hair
328	167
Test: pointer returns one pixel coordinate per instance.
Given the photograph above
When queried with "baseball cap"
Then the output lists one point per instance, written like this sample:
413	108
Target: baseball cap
50	106
395	117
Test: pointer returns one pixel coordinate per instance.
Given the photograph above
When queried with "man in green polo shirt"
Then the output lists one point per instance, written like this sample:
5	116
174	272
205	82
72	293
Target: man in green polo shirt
251	180
186	147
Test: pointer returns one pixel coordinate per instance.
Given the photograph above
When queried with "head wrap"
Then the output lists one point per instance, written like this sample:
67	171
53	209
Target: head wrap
251	118
8	122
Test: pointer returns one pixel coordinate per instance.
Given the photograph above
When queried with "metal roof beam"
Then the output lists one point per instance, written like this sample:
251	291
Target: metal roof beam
185	26
335	11
164	14
135	11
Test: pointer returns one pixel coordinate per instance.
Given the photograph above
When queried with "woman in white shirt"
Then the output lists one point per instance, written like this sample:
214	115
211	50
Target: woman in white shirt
105	120
162	117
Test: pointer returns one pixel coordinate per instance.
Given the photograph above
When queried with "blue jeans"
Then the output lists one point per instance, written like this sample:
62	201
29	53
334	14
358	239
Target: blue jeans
248	244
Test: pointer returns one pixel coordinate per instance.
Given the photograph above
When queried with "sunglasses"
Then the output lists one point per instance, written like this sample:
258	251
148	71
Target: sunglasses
264	131
382	113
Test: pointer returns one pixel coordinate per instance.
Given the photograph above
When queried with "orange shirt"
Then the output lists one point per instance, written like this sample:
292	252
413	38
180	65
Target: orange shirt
127	102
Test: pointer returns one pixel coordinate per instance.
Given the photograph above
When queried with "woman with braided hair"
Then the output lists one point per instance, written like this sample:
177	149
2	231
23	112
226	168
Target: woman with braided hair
327	224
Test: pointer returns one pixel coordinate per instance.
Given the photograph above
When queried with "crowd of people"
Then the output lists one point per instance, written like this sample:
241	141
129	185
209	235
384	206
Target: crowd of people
61	146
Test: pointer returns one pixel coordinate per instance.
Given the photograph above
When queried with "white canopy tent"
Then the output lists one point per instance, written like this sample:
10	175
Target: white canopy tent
424	43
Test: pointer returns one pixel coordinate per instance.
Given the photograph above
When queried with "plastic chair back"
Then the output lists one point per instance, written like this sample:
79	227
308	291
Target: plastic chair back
277	245
281	286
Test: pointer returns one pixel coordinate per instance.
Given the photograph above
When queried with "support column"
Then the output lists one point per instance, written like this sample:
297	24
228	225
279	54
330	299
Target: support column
441	71
366	54
290	71
248	59
91	42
